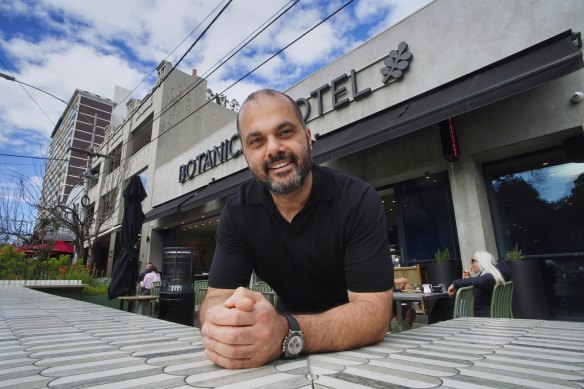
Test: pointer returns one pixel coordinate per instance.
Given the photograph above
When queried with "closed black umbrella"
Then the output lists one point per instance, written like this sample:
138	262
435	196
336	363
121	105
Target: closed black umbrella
125	270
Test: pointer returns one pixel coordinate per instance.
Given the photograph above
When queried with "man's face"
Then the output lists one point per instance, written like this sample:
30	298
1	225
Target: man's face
149	267
275	145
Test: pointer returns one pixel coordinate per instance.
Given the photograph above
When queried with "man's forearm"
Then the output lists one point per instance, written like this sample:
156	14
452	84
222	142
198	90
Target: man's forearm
358	323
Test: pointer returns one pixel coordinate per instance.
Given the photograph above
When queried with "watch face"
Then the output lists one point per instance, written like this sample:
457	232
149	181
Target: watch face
294	345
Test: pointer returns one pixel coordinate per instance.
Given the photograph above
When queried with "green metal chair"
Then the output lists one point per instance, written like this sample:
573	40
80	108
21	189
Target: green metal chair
464	303
200	289
266	290
155	291
501	300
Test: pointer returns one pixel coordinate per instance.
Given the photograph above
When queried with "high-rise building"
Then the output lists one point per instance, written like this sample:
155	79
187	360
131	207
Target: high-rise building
73	132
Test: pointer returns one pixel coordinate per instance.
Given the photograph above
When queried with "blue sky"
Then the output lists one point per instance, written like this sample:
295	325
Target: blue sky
61	45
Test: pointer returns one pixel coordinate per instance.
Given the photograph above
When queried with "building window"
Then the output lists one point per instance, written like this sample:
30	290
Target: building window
116	158
537	202
420	218
108	203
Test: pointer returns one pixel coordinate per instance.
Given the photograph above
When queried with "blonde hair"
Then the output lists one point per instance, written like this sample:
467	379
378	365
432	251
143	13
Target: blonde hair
487	263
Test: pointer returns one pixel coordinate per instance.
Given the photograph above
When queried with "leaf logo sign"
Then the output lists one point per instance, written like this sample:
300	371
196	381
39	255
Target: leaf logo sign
397	62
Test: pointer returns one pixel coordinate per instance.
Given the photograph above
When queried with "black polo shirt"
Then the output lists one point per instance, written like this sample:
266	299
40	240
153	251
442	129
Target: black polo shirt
338	241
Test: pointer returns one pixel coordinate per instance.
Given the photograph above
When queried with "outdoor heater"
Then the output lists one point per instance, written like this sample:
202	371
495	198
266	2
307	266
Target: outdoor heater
176	301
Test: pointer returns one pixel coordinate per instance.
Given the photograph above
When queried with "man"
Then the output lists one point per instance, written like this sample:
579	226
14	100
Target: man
148	280
317	236
147	270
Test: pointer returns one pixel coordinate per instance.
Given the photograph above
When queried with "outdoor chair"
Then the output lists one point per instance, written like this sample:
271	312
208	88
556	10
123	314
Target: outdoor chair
266	290
501	300
155	291
200	289
464	303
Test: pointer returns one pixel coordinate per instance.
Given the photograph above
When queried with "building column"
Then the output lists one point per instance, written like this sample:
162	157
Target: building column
471	209
110	253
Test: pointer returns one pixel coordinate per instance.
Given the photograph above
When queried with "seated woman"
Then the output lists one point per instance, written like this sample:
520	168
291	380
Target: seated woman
408	316
487	272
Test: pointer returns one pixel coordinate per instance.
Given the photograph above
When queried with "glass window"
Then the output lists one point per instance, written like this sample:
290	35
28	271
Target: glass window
538	204
420	217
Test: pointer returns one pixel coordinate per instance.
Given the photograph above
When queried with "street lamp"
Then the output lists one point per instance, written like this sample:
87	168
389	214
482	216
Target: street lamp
12	78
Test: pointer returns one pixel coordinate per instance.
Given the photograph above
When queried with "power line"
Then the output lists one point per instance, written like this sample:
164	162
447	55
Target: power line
236	82
28	156
176	48
132	136
13	78
184	94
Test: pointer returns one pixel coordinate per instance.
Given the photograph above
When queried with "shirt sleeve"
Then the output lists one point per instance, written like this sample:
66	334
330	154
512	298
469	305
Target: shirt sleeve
368	267
484	281
232	263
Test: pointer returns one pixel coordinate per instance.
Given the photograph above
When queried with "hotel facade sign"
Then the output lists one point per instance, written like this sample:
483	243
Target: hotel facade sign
395	65
229	148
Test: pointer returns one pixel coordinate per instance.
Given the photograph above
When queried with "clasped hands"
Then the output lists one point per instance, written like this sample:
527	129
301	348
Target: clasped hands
246	331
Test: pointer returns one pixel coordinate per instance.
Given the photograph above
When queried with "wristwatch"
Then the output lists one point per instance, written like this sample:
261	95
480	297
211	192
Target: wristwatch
293	342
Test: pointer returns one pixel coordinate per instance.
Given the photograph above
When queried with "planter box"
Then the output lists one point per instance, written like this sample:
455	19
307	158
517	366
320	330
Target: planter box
102	300
443	273
529	295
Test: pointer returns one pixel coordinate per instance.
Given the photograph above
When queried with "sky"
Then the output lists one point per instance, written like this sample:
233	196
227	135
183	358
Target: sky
93	45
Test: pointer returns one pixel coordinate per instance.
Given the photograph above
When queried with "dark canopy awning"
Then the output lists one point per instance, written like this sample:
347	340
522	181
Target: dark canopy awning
543	62
546	61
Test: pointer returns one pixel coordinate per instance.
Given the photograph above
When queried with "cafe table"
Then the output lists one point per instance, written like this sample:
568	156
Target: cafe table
400	297
49	341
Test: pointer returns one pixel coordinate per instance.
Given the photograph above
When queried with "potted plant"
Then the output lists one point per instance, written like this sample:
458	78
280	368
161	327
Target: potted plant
443	270
442	256
529	293
515	254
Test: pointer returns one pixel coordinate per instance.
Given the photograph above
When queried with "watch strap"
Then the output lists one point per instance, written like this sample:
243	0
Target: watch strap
292	322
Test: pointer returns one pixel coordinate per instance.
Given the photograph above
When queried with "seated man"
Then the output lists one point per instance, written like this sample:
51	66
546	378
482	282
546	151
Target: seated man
408	314
318	237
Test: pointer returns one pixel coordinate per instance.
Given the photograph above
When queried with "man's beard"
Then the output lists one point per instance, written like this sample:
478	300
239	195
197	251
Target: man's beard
300	172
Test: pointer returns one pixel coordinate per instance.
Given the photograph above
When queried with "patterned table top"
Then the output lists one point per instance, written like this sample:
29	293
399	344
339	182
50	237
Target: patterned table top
48	341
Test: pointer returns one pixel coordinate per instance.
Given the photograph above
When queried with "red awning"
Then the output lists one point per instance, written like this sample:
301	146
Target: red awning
63	247
58	247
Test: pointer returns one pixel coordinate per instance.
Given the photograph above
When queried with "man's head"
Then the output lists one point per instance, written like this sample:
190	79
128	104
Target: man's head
275	140
149	266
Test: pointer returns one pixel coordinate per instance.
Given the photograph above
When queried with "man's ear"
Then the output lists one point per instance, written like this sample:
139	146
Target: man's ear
309	137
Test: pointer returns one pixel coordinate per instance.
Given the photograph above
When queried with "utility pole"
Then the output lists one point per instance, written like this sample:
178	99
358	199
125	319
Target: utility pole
87	177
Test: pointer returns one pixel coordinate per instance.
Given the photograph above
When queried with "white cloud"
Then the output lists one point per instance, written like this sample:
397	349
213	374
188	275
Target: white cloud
94	45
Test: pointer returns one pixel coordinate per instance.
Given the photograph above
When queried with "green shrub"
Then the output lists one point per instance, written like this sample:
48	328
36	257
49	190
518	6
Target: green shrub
79	272
95	290
13	265
442	256
515	254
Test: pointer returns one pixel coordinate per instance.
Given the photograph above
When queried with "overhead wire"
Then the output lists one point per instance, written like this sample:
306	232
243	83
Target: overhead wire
21	83
233	84
218	66
212	70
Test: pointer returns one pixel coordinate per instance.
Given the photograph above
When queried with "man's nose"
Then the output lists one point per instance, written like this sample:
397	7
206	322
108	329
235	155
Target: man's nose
275	146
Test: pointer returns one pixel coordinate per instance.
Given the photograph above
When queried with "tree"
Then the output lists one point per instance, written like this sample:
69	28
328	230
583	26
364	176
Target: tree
16	217
68	215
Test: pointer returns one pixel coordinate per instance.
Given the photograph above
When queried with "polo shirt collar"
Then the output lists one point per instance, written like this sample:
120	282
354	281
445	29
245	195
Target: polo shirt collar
323	188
